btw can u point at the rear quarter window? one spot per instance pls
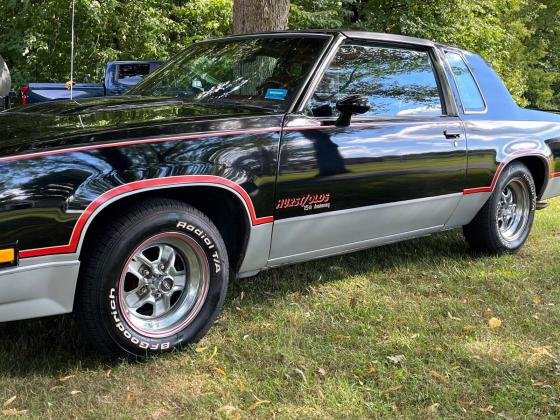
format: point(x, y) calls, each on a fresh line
point(469, 92)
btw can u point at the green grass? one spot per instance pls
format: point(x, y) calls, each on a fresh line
point(313, 341)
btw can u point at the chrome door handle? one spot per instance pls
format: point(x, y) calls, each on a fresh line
point(452, 134)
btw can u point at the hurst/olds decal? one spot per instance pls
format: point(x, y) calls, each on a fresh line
point(306, 202)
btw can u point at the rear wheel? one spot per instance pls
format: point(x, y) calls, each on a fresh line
point(505, 221)
point(154, 280)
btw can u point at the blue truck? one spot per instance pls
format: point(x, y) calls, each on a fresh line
point(120, 76)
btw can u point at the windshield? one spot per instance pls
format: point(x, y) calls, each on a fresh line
point(264, 72)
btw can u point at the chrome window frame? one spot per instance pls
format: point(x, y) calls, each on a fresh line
point(447, 103)
point(319, 72)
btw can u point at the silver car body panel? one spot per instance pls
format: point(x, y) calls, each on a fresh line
point(320, 235)
point(40, 286)
point(552, 189)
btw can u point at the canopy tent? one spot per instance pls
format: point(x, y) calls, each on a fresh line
point(5, 79)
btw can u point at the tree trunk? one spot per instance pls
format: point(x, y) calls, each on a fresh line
point(251, 16)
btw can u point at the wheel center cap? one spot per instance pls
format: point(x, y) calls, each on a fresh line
point(166, 284)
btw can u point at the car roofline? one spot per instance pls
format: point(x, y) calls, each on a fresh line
point(277, 34)
point(134, 61)
point(384, 37)
point(365, 35)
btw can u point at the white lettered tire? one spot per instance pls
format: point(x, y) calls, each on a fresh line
point(505, 221)
point(155, 279)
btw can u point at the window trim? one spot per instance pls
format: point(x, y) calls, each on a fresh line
point(464, 60)
point(320, 71)
point(343, 40)
point(301, 95)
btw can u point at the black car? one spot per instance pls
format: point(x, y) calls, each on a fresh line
point(251, 152)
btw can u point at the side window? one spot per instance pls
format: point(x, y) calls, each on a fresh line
point(132, 74)
point(468, 89)
point(398, 82)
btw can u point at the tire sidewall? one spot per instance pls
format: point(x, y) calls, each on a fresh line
point(209, 240)
point(512, 171)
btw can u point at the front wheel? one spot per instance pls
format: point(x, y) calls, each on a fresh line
point(505, 221)
point(154, 280)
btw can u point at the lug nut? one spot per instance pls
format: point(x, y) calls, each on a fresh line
point(162, 267)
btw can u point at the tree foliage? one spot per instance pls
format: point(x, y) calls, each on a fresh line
point(36, 34)
point(520, 38)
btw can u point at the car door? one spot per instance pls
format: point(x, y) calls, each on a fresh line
point(396, 171)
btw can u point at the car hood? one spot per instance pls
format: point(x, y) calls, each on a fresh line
point(37, 127)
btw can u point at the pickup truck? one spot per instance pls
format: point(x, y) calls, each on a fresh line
point(120, 76)
point(251, 152)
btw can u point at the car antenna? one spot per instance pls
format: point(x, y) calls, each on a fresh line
point(72, 53)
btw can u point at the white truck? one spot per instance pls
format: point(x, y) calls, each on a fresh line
point(5, 85)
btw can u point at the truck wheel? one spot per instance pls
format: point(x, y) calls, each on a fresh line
point(153, 280)
point(504, 223)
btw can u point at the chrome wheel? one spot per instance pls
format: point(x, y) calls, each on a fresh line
point(164, 284)
point(513, 210)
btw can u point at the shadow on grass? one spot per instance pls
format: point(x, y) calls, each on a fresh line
point(54, 346)
point(446, 246)
point(45, 346)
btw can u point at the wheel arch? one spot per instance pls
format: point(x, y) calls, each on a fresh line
point(538, 165)
point(233, 208)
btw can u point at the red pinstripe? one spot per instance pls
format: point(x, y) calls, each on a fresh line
point(136, 142)
point(72, 246)
point(76, 233)
point(501, 167)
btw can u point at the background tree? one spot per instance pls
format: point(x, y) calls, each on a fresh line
point(497, 29)
point(520, 38)
point(543, 56)
point(260, 15)
point(35, 37)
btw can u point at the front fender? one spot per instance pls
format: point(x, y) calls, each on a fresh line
point(47, 198)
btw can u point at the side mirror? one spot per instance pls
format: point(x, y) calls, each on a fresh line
point(350, 105)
